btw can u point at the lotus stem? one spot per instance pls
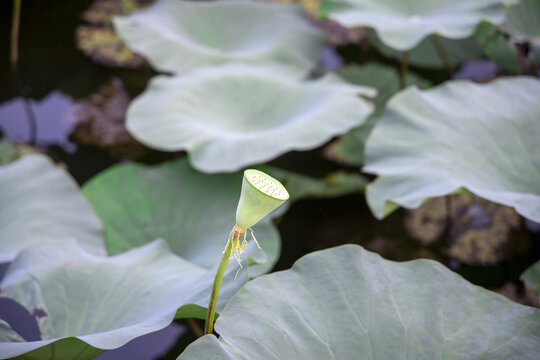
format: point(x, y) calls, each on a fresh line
point(14, 60)
point(15, 34)
point(232, 242)
point(442, 54)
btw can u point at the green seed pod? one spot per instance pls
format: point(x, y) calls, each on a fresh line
point(260, 194)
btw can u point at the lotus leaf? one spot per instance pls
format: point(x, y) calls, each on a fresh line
point(402, 25)
point(42, 202)
point(91, 303)
point(348, 303)
point(228, 117)
point(191, 211)
point(461, 134)
point(178, 36)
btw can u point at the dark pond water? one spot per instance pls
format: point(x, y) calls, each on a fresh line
point(36, 107)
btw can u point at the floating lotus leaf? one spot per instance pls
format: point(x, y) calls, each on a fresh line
point(177, 36)
point(402, 25)
point(191, 211)
point(42, 202)
point(480, 137)
point(348, 303)
point(228, 117)
point(90, 303)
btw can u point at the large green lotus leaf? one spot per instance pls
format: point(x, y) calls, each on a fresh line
point(480, 137)
point(177, 36)
point(425, 54)
point(347, 303)
point(92, 303)
point(42, 202)
point(531, 278)
point(402, 25)
point(191, 211)
point(349, 149)
point(228, 117)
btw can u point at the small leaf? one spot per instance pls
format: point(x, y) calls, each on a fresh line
point(497, 47)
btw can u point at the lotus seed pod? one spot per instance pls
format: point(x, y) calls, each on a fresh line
point(260, 194)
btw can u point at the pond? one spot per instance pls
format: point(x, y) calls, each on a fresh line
point(72, 108)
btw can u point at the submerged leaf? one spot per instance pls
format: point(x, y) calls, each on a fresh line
point(228, 117)
point(480, 137)
point(94, 303)
point(348, 303)
point(403, 25)
point(178, 36)
point(42, 202)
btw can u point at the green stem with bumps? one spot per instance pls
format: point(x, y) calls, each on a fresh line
point(227, 253)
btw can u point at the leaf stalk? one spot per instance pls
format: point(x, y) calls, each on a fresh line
point(234, 238)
